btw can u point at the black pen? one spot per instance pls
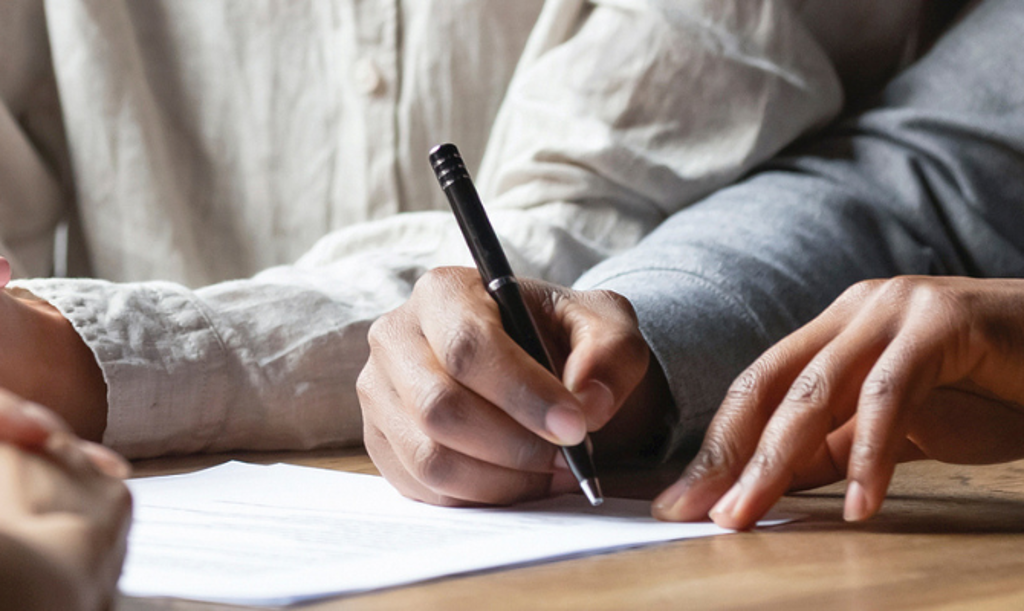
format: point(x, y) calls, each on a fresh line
point(502, 285)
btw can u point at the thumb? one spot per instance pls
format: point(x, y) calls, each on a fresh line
point(608, 356)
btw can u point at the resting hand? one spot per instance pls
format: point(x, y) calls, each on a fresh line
point(455, 412)
point(894, 370)
point(63, 520)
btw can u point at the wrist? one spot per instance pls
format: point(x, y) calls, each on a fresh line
point(50, 364)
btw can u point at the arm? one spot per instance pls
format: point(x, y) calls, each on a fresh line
point(926, 183)
point(271, 361)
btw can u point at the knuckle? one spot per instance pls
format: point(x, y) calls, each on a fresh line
point(880, 386)
point(364, 386)
point(431, 280)
point(440, 409)
point(619, 302)
point(899, 287)
point(762, 465)
point(376, 335)
point(462, 349)
point(861, 290)
point(433, 465)
point(715, 459)
point(443, 281)
point(934, 299)
point(809, 389)
point(746, 387)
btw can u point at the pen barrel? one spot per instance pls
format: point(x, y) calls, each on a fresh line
point(519, 322)
point(465, 202)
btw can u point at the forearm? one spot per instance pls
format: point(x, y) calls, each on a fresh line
point(717, 285)
point(47, 362)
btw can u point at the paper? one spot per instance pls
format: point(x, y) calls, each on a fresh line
point(275, 535)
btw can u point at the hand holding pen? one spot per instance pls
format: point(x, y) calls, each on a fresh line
point(455, 412)
point(503, 287)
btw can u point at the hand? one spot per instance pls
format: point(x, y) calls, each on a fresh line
point(454, 412)
point(63, 520)
point(894, 370)
point(30, 426)
point(42, 358)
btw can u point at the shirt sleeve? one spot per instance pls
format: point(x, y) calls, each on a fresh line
point(644, 108)
point(929, 181)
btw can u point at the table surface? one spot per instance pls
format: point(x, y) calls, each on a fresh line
point(948, 537)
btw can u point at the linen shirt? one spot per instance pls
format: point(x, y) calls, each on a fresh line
point(243, 187)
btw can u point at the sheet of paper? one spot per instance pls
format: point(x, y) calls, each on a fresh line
point(275, 535)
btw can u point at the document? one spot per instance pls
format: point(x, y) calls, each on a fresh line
point(282, 534)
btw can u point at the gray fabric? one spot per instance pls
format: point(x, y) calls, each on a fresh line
point(928, 181)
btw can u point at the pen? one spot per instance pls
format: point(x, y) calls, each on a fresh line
point(502, 285)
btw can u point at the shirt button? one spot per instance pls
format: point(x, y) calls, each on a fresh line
point(368, 79)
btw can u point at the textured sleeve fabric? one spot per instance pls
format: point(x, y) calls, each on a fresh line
point(929, 181)
point(643, 107)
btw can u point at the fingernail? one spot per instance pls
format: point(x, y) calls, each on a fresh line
point(106, 460)
point(566, 424)
point(664, 504)
point(855, 509)
point(597, 401)
point(726, 506)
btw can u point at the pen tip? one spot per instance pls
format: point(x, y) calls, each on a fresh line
point(592, 489)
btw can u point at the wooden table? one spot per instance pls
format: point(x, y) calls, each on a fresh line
point(948, 537)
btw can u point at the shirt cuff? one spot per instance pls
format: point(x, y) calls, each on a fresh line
point(160, 357)
point(702, 336)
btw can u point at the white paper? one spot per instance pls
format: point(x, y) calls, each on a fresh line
point(275, 535)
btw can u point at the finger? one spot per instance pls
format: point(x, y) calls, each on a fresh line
point(735, 431)
point(66, 450)
point(426, 471)
point(829, 464)
point(406, 380)
point(25, 423)
point(820, 399)
point(608, 355)
point(437, 472)
point(384, 458)
point(379, 446)
point(5, 272)
point(463, 328)
point(893, 391)
point(109, 462)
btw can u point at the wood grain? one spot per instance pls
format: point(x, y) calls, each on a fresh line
point(948, 537)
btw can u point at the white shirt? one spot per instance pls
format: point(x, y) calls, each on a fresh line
point(232, 171)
